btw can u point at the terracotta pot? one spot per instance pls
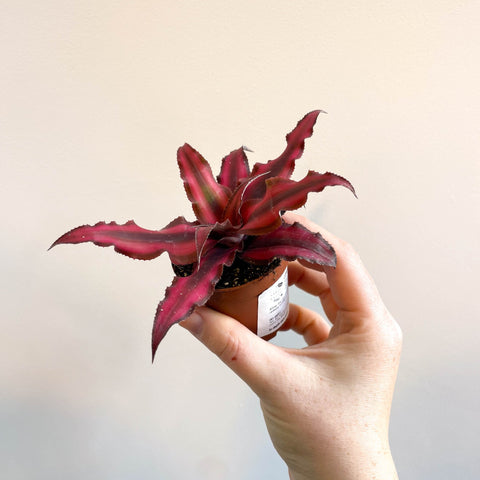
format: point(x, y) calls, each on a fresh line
point(242, 302)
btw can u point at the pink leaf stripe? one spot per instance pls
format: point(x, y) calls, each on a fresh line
point(284, 165)
point(234, 169)
point(207, 196)
point(282, 194)
point(185, 293)
point(177, 238)
point(291, 242)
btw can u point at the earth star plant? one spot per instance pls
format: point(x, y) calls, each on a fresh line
point(239, 214)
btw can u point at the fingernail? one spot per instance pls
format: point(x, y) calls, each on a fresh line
point(194, 324)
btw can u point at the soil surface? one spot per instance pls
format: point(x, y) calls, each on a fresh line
point(239, 273)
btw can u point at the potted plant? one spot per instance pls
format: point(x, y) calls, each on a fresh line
point(238, 228)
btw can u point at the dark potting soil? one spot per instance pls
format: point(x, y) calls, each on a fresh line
point(239, 273)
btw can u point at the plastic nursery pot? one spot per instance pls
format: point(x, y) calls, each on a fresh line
point(261, 304)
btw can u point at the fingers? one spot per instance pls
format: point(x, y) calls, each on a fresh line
point(309, 280)
point(351, 287)
point(307, 323)
point(315, 283)
point(250, 357)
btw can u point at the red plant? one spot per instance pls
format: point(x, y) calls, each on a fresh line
point(238, 214)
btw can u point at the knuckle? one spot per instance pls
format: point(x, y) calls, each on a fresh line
point(229, 349)
point(393, 335)
point(398, 335)
point(348, 252)
point(347, 248)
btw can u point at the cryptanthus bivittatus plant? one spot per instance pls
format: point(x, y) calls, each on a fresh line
point(238, 215)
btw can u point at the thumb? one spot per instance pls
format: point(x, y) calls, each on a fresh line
point(253, 359)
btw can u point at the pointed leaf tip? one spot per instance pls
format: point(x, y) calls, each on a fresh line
point(234, 168)
point(177, 238)
point(186, 293)
point(284, 165)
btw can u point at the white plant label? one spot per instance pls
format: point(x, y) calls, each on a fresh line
point(273, 306)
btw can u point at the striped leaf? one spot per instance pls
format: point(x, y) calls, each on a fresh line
point(284, 165)
point(262, 216)
point(290, 242)
point(208, 197)
point(186, 293)
point(177, 238)
point(234, 169)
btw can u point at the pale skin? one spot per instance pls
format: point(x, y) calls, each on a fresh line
point(326, 406)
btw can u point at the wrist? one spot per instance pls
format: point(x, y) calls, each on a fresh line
point(370, 461)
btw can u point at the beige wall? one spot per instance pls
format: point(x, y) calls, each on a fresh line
point(95, 98)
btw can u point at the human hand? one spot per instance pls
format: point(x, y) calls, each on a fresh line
point(326, 406)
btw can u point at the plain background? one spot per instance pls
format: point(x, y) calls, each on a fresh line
point(96, 97)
